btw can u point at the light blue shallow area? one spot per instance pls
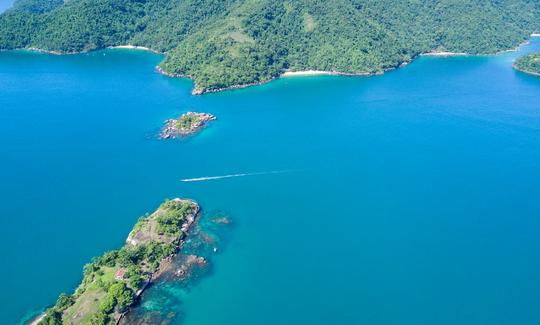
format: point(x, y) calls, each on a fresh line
point(5, 4)
point(409, 198)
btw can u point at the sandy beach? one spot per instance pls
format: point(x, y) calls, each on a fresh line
point(134, 47)
point(443, 53)
point(305, 73)
point(323, 73)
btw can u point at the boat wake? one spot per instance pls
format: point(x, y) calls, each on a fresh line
point(211, 178)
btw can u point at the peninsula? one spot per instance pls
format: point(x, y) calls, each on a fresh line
point(236, 43)
point(529, 64)
point(185, 125)
point(114, 281)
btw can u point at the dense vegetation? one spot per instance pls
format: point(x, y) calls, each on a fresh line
point(102, 295)
point(186, 121)
point(529, 63)
point(221, 43)
point(170, 221)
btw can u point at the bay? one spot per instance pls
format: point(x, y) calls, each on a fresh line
point(406, 198)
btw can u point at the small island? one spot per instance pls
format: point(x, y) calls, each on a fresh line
point(529, 64)
point(185, 125)
point(114, 281)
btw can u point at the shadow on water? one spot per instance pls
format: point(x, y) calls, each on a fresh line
point(162, 302)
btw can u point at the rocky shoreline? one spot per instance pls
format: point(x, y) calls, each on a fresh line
point(165, 262)
point(532, 73)
point(187, 124)
point(183, 271)
point(38, 50)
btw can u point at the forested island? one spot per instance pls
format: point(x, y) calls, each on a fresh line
point(529, 64)
point(234, 43)
point(113, 282)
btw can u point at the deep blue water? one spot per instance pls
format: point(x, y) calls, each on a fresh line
point(411, 198)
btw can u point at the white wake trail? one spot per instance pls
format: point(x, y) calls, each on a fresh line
point(210, 178)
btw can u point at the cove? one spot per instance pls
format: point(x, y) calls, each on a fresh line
point(412, 197)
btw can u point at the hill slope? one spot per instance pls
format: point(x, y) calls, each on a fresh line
point(235, 42)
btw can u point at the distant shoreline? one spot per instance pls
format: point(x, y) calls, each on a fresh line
point(126, 47)
point(287, 73)
point(38, 50)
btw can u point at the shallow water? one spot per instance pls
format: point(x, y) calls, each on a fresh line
point(412, 197)
point(5, 4)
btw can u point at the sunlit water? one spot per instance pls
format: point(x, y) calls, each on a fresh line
point(410, 198)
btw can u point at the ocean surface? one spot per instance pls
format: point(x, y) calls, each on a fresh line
point(407, 198)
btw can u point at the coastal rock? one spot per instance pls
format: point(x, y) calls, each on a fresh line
point(222, 221)
point(191, 261)
point(185, 125)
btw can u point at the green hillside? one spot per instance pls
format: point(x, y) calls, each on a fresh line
point(529, 64)
point(222, 43)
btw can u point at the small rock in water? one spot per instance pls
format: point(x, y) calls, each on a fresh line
point(191, 261)
point(222, 221)
point(185, 125)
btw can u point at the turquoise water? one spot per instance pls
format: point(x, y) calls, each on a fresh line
point(410, 198)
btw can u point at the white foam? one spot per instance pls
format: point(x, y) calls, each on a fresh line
point(210, 178)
